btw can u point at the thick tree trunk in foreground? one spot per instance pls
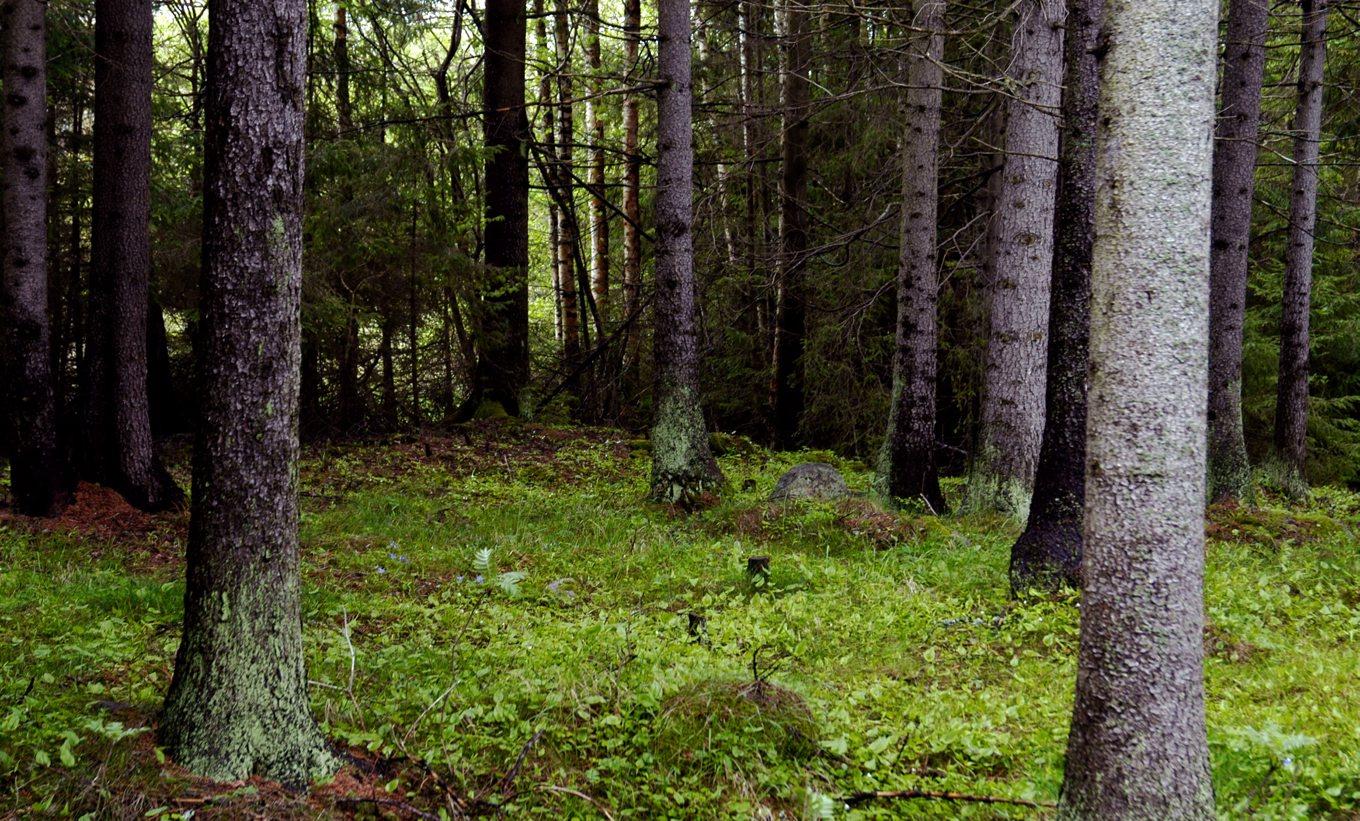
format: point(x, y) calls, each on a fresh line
point(791, 310)
point(119, 449)
point(36, 475)
point(1291, 402)
point(1021, 251)
point(503, 344)
point(683, 467)
point(238, 703)
point(1138, 747)
point(908, 465)
point(1048, 553)
point(1244, 62)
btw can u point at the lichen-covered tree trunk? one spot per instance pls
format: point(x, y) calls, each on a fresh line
point(1137, 747)
point(1021, 263)
point(238, 703)
point(683, 466)
point(119, 449)
point(791, 308)
point(1291, 401)
point(1048, 553)
point(36, 474)
point(907, 464)
point(503, 315)
point(1244, 61)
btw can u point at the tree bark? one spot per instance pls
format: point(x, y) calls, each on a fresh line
point(791, 309)
point(237, 705)
point(503, 327)
point(566, 216)
point(36, 472)
point(1239, 120)
point(1138, 747)
point(1291, 402)
point(1048, 553)
point(632, 202)
point(119, 449)
point(683, 466)
point(599, 215)
point(907, 465)
point(1021, 264)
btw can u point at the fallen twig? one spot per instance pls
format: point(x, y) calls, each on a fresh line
point(933, 795)
point(577, 793)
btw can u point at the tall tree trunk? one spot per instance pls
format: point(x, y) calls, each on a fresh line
point(389, 374)
point(683, 466)
point(1021, 264)
point(599, 215)
point(546, 59)
point(632, 201)
point(1291, 402)
point(1048, 553)
point(237, 705)
point(36, 475)
point(118, 440)
point(791, 310)
point(351, 406)
point(566, 216)
point(503, 318)
point(908, 465)
point(1244, 62)
point(1137, 747)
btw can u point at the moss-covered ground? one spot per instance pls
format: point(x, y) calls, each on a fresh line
point(497, 622)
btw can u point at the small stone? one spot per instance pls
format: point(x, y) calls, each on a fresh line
point(812, 480)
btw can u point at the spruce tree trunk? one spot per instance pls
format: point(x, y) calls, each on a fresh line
point(238, 703)
point(683, 466)
point(791, 308)
point(503, 347)
point(599, 216)
point(119, 446)
point(1048, 553)
point(632, 203)
point(1244, 61)
point(1021, 264)
point(1138, 747)
point(36, 475)
point(1291, 402)
point(566, 215)
point(907, 464)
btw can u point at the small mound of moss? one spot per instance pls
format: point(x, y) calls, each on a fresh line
point(719, 725)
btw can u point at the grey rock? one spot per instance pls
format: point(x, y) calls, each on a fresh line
point(812, 480)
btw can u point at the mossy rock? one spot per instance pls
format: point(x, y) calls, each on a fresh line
point(811, 480)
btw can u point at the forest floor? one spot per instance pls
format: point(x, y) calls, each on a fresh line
point(497, 623)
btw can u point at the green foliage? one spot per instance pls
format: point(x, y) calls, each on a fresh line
point(517, 585)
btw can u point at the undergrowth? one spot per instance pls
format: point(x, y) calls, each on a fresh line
point(496, 622)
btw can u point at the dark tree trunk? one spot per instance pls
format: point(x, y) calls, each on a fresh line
point(237, 706)
point(791, 310)
point(119, 449)
point(908, 461)
point(683, 466)
point(1291, 403)
point(566, 215)
point(632, 202)
point(1138, 747)
point(599, 217)
point(1011, 424)
point(1048, 553)
point(503, 327)
point(36, 472)
point(389, 375)
point(1244, 61)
